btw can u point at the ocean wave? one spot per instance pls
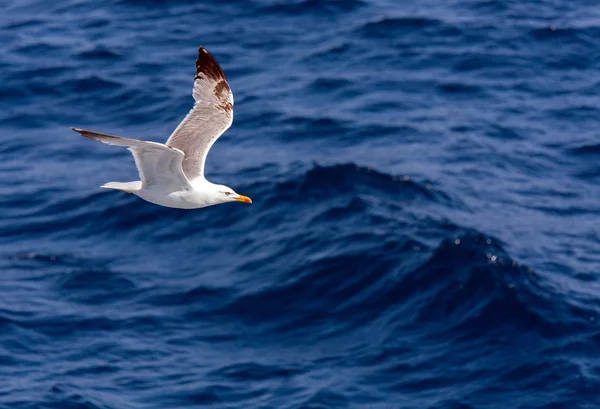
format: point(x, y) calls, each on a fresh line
point(465, 289)
point(99, 53)
point(471, 285)
point(313, 6)
point(90, 83)
point(253, 371)
point(583, 35)
point(585, 150)
point(352, 179)
point(391, 27)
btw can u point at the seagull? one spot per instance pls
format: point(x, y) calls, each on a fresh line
point(172, 174)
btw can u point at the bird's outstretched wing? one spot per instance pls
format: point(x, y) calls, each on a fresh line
point(157, 164)
point(211, 115)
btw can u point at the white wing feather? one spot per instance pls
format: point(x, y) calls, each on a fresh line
point(211, 115)
point(157, 164)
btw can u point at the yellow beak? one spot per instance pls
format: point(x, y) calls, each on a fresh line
point(244, 199)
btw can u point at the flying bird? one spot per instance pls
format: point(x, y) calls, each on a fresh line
point(172, 174)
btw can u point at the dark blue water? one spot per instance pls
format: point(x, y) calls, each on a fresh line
point(425, 229)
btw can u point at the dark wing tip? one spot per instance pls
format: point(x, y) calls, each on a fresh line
point(80, 131)
point(208, 65)
point(93, 134)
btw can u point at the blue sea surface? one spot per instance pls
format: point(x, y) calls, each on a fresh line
point(425, 229)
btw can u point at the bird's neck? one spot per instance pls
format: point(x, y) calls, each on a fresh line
point(201, 183)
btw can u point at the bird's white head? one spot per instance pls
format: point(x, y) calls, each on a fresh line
point(226, 194)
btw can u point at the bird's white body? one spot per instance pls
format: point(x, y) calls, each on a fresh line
point(172, 174)
point(202, 193)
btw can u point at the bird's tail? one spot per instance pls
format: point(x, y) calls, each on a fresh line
point(129, 187)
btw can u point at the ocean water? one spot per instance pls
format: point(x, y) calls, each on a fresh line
point(425, 229)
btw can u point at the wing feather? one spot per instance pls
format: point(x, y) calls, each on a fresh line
point(157, 164)
point(210, 117)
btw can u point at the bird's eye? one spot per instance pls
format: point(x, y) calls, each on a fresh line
point(227, 193)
